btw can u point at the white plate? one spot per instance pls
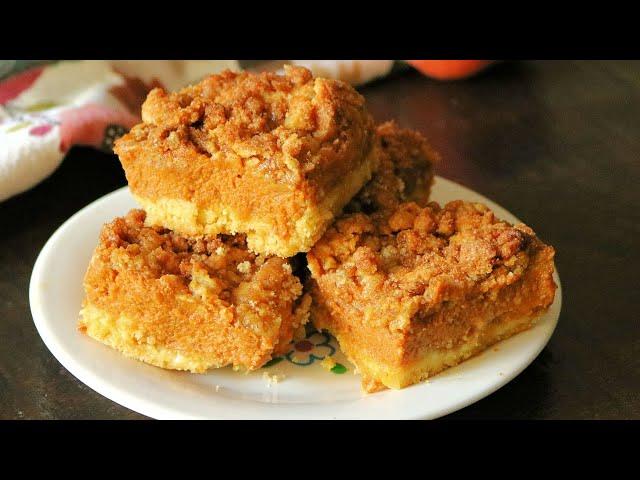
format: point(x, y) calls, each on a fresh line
point(306, 391)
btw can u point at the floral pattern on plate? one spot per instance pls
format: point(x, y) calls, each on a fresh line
point(315, 347)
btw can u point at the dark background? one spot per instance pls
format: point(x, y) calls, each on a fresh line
point(556, 142)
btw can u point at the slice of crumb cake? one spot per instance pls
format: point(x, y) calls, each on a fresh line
point(189, 303)
point(414, 290)
point(275, 157)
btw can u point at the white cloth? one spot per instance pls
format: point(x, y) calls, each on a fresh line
point(355, 72)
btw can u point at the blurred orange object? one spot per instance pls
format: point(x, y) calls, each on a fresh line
point(450, 69)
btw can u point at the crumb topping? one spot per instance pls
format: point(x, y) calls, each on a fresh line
point(436, 252)
point(218, 265)
point(405, 172)
point(244, 267)
point(328, 363)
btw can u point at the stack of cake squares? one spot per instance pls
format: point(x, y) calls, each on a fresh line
point(271, 203)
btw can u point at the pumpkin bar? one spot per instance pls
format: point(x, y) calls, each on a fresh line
point(275, 157)
point(189, 304)
point(415, 290)
point(405, 172)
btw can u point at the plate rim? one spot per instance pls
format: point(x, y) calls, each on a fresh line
point(145, 406)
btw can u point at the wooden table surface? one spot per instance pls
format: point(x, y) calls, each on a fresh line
point(556, 143)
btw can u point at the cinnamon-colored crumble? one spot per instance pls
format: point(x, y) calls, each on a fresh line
point(405, 172)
